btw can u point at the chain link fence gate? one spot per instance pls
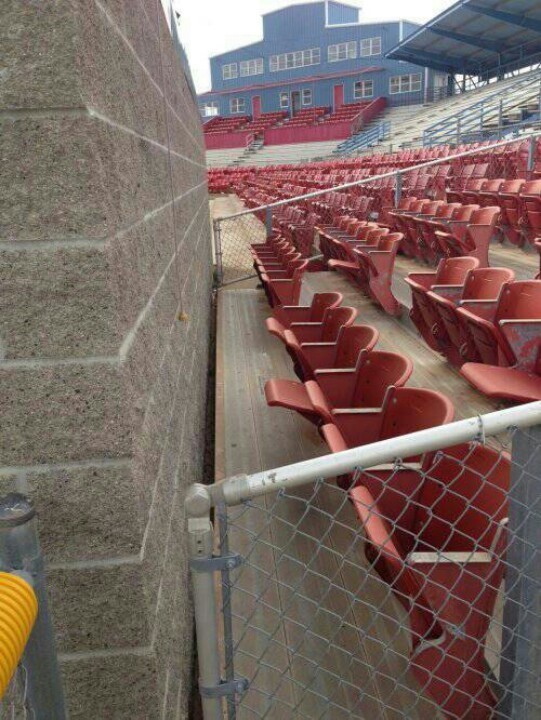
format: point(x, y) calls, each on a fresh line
point(362, 585)
point(234, 233)
point(27, 644)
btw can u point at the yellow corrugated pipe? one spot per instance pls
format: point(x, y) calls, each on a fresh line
point(18, 612)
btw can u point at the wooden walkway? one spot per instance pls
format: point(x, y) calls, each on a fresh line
point(305, 602)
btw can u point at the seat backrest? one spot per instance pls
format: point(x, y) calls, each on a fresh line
point(352, 340)
point(377, 371)
point(486, 216)
point(323, 301)
point(533, 187)
point(512, 187)
point(486, 283)
point(464, 213)
point(432, 207)
point(374, 235)
point(492, 185)
point(453, 271)
point(521, 300)
point(334, 319)
point(463, 499)
point(407, 410)
point(447, 210)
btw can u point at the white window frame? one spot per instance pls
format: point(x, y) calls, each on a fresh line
point(307, 93)
point(342, 51)
point(251, 67)
point(207, 109)
point(297, 59)
point(237, 105)
point(284, 100)
point(230, 71)
point(400, 84)
point(374, 46)
point(363, 94)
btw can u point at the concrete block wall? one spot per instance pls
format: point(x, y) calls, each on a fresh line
point(105, 286)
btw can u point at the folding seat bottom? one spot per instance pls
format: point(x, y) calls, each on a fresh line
point(503, 382)
point(291, 395)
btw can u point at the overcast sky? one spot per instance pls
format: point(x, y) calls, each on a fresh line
point(210, 27)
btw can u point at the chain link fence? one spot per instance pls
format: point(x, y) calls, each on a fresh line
point(292, 201)
point(409, 589)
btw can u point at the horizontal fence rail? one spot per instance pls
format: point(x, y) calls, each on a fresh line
point(236, 232)
point(400, 578)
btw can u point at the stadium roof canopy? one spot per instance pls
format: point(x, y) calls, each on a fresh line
point(477, 37)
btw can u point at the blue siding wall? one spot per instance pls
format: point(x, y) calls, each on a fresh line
point(302, 27)
point(339, 13)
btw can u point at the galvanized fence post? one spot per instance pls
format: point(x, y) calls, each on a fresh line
point(398, 190)
point(531, 154)
point(218, 251)
point(268, 221)
point(521, 641)
point(20, 551)
point(203, 565)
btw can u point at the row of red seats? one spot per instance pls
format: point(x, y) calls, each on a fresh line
point(485, 322)
point(417, 515)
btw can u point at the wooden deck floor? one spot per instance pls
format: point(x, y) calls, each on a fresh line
point(304, 605)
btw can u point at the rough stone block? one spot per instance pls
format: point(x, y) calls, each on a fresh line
point(56, 303)
point(62, 413)
point(88, 513)
point(97, 609)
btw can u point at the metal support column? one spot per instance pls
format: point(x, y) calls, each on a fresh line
point(531, 157)
point(20, 552)
point(218, 251)
point(268, 221)
point(204, 566)
point(521, 641)
point(398, 189)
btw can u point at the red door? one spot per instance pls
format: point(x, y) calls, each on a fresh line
point(256, 106)
point(338, 96)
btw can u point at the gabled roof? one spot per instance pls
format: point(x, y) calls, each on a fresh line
point(476, 37)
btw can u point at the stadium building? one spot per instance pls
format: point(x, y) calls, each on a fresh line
point(316, 56)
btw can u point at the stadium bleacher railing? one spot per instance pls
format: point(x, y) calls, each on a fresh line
point(30, 679)
point(337, 599)
point(473, 119)
point(233, 234)
point(364, 140)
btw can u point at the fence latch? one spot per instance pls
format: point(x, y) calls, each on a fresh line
point(216, 563)
point(225, 688)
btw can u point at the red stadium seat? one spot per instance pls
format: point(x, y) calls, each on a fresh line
point(364, 386)
point(530, 221)
point(309, 343)
point(481, 285)
point(439, 541)
point(284, 315)
point(284, 287)
point(506, 331)
point(451, 272)
point(509, 202)
point(471, 238)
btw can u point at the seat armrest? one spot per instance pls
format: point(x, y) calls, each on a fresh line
point(482, 308)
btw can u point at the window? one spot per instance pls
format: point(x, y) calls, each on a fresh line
point(230, 71)
point(301, 58)
point(284, 100)
point(405, 83)
point(342, 51)
point(363, 89)
point(251, 67)
point(307, 97)
point(237, 105)
point(370, 46)
point(209, 109)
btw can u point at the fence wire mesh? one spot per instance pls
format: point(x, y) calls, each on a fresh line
point(444, 176)
point(405, 591)
point(16, 705)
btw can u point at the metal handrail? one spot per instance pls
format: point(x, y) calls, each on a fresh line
point(381, 176)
